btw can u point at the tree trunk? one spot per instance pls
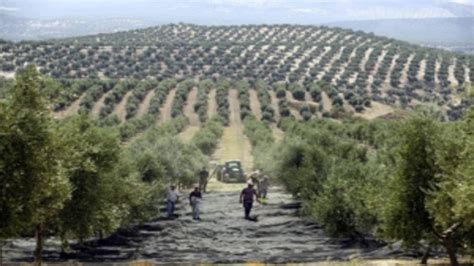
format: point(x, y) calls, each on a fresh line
point(449, 245)
point(39, 244)
point(426, 255)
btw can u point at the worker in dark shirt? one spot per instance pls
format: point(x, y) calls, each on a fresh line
point(246, 197)
point(203, 179)
point(195, 200)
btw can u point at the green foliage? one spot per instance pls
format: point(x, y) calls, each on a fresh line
point(115, 96)
point(265, 100)
point(244, 98)
point(161, 157)
point(136, 125)
point(262, 141)
point(201, 105)
point(101, 198)
point(5, 85)
point(207, 138)
point(137, 97)
point(406, 216)
point(161, 91)
point(33, 185)
point(330, 171)
point(222, 95)
point(181, 97)
point(297, 91)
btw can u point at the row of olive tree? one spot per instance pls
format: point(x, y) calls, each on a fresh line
point(408, 180)
point(73, 178)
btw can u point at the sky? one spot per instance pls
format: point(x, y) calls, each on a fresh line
point(235, 11)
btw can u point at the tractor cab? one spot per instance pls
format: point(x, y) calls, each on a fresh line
point(231, 172)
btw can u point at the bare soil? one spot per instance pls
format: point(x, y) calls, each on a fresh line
point(120, 109)
point(165, 110)
point(377, 110)
point(189, 108)
point(274, 101)
point(187, 134)
point(70, 110)
point(234, 144)
point(211, 104)
point(451, 76)
point(98, 105)
point(255, 104)
point(145, 105)
point(327, 103)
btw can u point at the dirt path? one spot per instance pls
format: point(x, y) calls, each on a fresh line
point(234, 144)
point(71, 109)
point(189, 108)
point(376, 110)
point(404, 76)
point(211, 104)
point(451, 76)
point(194, 123)
point(98, 105)
point(120, 109)
point(274, 101)
point(255, 104)
point(145, 105)
point(277, 133)
point(187, 134)
point(327, 104)
point(165, 110)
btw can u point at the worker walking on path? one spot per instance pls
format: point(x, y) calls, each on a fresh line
point(195, 200)
point(246, 197)
point(264, 185)
point(171, 199)
point(203, 179)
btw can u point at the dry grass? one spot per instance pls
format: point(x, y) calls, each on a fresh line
point(211, 104)
point(234, 145)
point(145, 105)
point(255, 104)
point(165, 110)
point(277, 133)
point(377, 110)
point(187, 134)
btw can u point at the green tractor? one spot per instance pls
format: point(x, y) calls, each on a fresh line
point(231, 172)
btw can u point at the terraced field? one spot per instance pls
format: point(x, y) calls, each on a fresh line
point(307, 72)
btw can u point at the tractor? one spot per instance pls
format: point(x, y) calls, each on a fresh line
point(231, 172)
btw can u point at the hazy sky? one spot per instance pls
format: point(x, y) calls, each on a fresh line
point(234, 11)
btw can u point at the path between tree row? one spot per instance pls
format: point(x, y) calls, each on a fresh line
point(234, 144)
point(223, 236)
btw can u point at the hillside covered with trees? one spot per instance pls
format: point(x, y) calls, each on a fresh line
point(373, 137)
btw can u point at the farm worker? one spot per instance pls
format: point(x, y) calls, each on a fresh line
point(255, 178)
point(264, 185)
point(203, 178)
point(195, 200)
point(171, 199)
point(246, 197)
point(218, 170)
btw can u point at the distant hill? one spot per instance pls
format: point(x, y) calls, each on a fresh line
point(18, 29)
point(42, 22)
point(455, 34)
